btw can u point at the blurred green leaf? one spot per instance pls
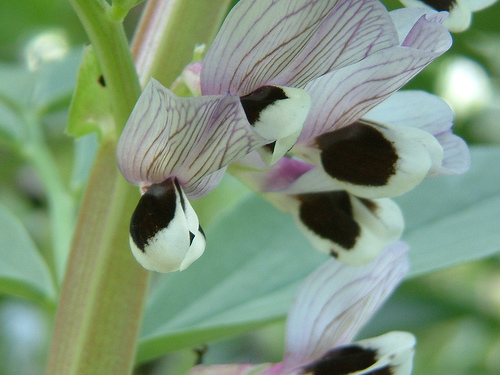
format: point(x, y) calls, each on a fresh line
point(90, 109)
point(50, 86)
point(23, 271)
point(454, 219)
point(254, 261)
point(11, 127)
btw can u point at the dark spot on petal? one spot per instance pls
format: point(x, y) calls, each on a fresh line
point(343, 361)
point(386, 370)
point(179, 191)
point(191, 238)
point(441, 5)
point(101, 81)
point(330, 216)
point(270, 147)
point(201, 231)
point(334, 254)
point(358, 154)
point(258, 100)
point(368, 203)
point(154, 212)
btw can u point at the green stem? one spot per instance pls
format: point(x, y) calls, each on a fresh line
point(102, 297)
point(60, 202)
point(103, 294)
point(166, 37)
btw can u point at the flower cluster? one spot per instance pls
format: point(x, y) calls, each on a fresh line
point(303, 86)
point(299, 100)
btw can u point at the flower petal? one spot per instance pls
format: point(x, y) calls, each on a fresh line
point(353, 230)
point(165, 234)
point(460, 12)
point(391, 353)
point(342, 97)
point(287, 176)
point(434, 116)
point(289, 43)
point(184, 137)
point(372, 160)
point(277, 113)
point(336, 301)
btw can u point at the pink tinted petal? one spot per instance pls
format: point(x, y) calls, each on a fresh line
point(341, 97)
point(337, 300)
point(188, 138)
point(232, 369)
point(434, 116)
point(287, 176)
point(351, 32)
point(205, 185)
point(290, 42)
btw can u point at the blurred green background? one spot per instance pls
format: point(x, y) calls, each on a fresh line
point(455, 313)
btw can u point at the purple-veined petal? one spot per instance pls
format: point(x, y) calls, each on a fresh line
point(343, 96)
point(391, 353)
point(373, 160)
point(205, 185)
point(188, 138)
point(289, 43)
point(235, 369)
point(336, 301)
point(434, 116)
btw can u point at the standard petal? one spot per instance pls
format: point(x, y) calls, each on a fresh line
point(434, 116)
point(336, 301)
point(342, 97)
point(372, 160)
point(165, 234)
point(353, 230)
point(184, 137)
point(289, 43)
point(391, 353)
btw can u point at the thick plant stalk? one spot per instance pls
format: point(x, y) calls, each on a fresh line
point(104, 289)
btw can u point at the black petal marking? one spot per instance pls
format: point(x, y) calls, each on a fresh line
point(191, 238)
point(258, 100)
point(270, 147)
point(201, 231)
point(358, 154)
point(154, 212)
point(441, 5)
point(368, 203)
point(329, 215)
point(343, 361)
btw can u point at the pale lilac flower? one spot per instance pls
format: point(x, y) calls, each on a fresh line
point(360, 145)
point(460, 10)
point(269, 64)
point(330, 308)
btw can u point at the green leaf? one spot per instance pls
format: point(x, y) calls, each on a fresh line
point(90, 109)
point(254, 261)
point(455, 219)
point(23, 271)
point(49, 86)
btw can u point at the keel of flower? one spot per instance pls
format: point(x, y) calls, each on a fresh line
point(354, 230)
point(165, 234)
point(372, 160)
point(387, 354)
point(277, 114)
